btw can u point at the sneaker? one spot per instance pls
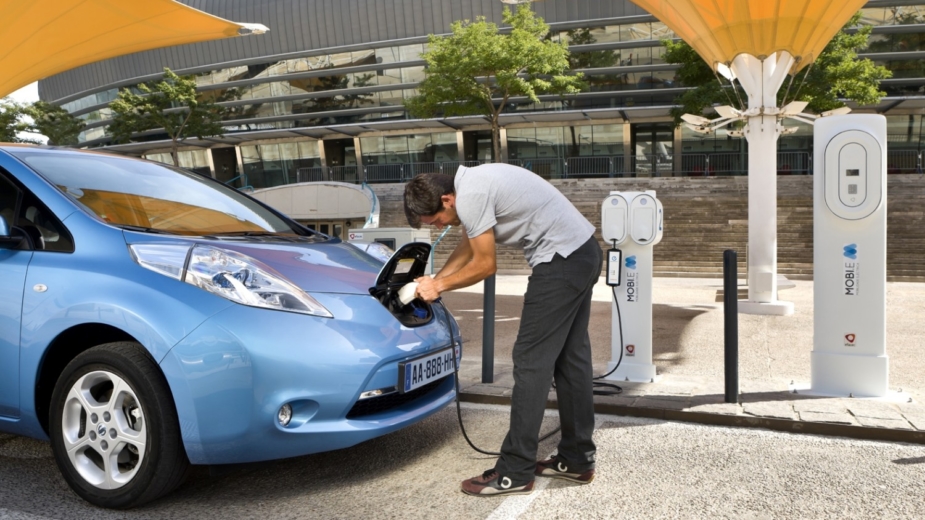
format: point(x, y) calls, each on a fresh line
point(557, 468)
point(491, 483)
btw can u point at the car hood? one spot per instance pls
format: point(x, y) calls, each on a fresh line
point(327, 267)
point(335, 267)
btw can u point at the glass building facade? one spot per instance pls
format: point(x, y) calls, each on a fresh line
point(337, 113)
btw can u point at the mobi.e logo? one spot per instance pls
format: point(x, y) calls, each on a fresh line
point(631, 285)
point(850, 257)
point(631, 350)
point(849, 340)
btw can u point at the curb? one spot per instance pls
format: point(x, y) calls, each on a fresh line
point(741, 421)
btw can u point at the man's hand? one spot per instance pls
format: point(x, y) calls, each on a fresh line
point(427, 289)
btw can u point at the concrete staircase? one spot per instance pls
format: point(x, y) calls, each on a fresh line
point(705, 216)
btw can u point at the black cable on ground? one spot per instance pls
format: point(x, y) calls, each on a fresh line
point(596, 382)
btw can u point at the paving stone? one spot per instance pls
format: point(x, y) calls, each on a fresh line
point(774, 409)
point(834, 406)
point(875, 422)
point(838, 418)
point(663, 403)
point(717, 408)
point(914, 408)
point(672, 390)
point(875, 410)
point(697, 400)
point(619, 400)
point(916, 419)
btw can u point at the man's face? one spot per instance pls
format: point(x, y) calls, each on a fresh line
point(446, 216)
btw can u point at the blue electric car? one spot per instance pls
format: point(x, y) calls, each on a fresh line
point(151, 318)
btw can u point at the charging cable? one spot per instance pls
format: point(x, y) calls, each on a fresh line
point(613, 389)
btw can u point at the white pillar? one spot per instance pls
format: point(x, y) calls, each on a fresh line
point(761, 79)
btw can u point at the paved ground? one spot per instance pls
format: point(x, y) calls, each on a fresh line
point(646, 469)
point(774, 359)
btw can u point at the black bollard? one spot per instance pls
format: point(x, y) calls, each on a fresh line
point(488, 331)
point(731, 312)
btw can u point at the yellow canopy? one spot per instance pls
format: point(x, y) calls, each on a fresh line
point(39, 38)
point(719, 30)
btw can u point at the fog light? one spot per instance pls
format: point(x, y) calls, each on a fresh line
point(285, 415)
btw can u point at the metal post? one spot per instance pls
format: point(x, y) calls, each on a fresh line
point(731, 312)
point(488, 331)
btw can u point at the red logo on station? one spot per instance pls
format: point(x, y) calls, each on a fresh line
point(849, 339)
point(630, 350)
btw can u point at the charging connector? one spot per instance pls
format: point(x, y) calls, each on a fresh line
point(407, 292)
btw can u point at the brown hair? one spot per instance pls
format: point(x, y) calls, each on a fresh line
point(422, 196)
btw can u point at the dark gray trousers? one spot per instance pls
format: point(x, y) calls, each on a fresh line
point(553, 342)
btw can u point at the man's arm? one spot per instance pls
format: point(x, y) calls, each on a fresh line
point(460, 256)
point(480, 266)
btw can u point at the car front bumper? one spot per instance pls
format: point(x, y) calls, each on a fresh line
point(230, 377)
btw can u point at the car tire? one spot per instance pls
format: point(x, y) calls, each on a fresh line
point(114, 429)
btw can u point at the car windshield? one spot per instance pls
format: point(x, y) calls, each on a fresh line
point(152, 196)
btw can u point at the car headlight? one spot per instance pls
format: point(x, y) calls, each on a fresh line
point(228, 274)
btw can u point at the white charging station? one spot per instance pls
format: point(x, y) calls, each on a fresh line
point(631, 224)
point(849, 256)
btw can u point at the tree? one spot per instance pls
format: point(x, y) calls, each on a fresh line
point(836, 74)
point(11, 122)
point(171, 104)
point(476, 70)
point(55, 123)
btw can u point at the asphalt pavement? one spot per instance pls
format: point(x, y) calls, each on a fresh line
point(646, 468)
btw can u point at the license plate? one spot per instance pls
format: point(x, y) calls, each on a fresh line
point(418, 372)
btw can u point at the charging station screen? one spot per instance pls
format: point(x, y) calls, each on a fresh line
point(852, 173)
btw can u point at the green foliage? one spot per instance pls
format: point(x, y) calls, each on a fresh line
point(55, 123)
point(476, 70)
point(12, 122)
point(171, 104)
point(694, 72)
point(836, 74)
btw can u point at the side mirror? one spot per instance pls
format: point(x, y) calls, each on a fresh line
point(9, 237)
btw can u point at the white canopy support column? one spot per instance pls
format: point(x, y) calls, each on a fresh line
point(761, 79)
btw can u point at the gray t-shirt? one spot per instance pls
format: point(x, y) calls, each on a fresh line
point(523, 208)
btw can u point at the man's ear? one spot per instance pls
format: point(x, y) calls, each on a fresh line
point(448, 200)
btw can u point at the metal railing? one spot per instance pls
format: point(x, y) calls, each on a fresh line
point(545, 168)
point(312, 174)
point(376, 173)
point(349, 174)
point(904, 161)
point(601, 166)
point(652, 165)
point(640, 165)
point(424, 167)
point(450, 167)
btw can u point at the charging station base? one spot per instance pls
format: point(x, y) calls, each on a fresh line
point(898, 397)
point(635, 373)
point(842, 375)
point(778, 308)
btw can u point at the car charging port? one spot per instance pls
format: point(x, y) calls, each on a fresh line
point(399, 272)
point(414, 313)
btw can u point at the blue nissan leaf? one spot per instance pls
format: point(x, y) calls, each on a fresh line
point(152, 318)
